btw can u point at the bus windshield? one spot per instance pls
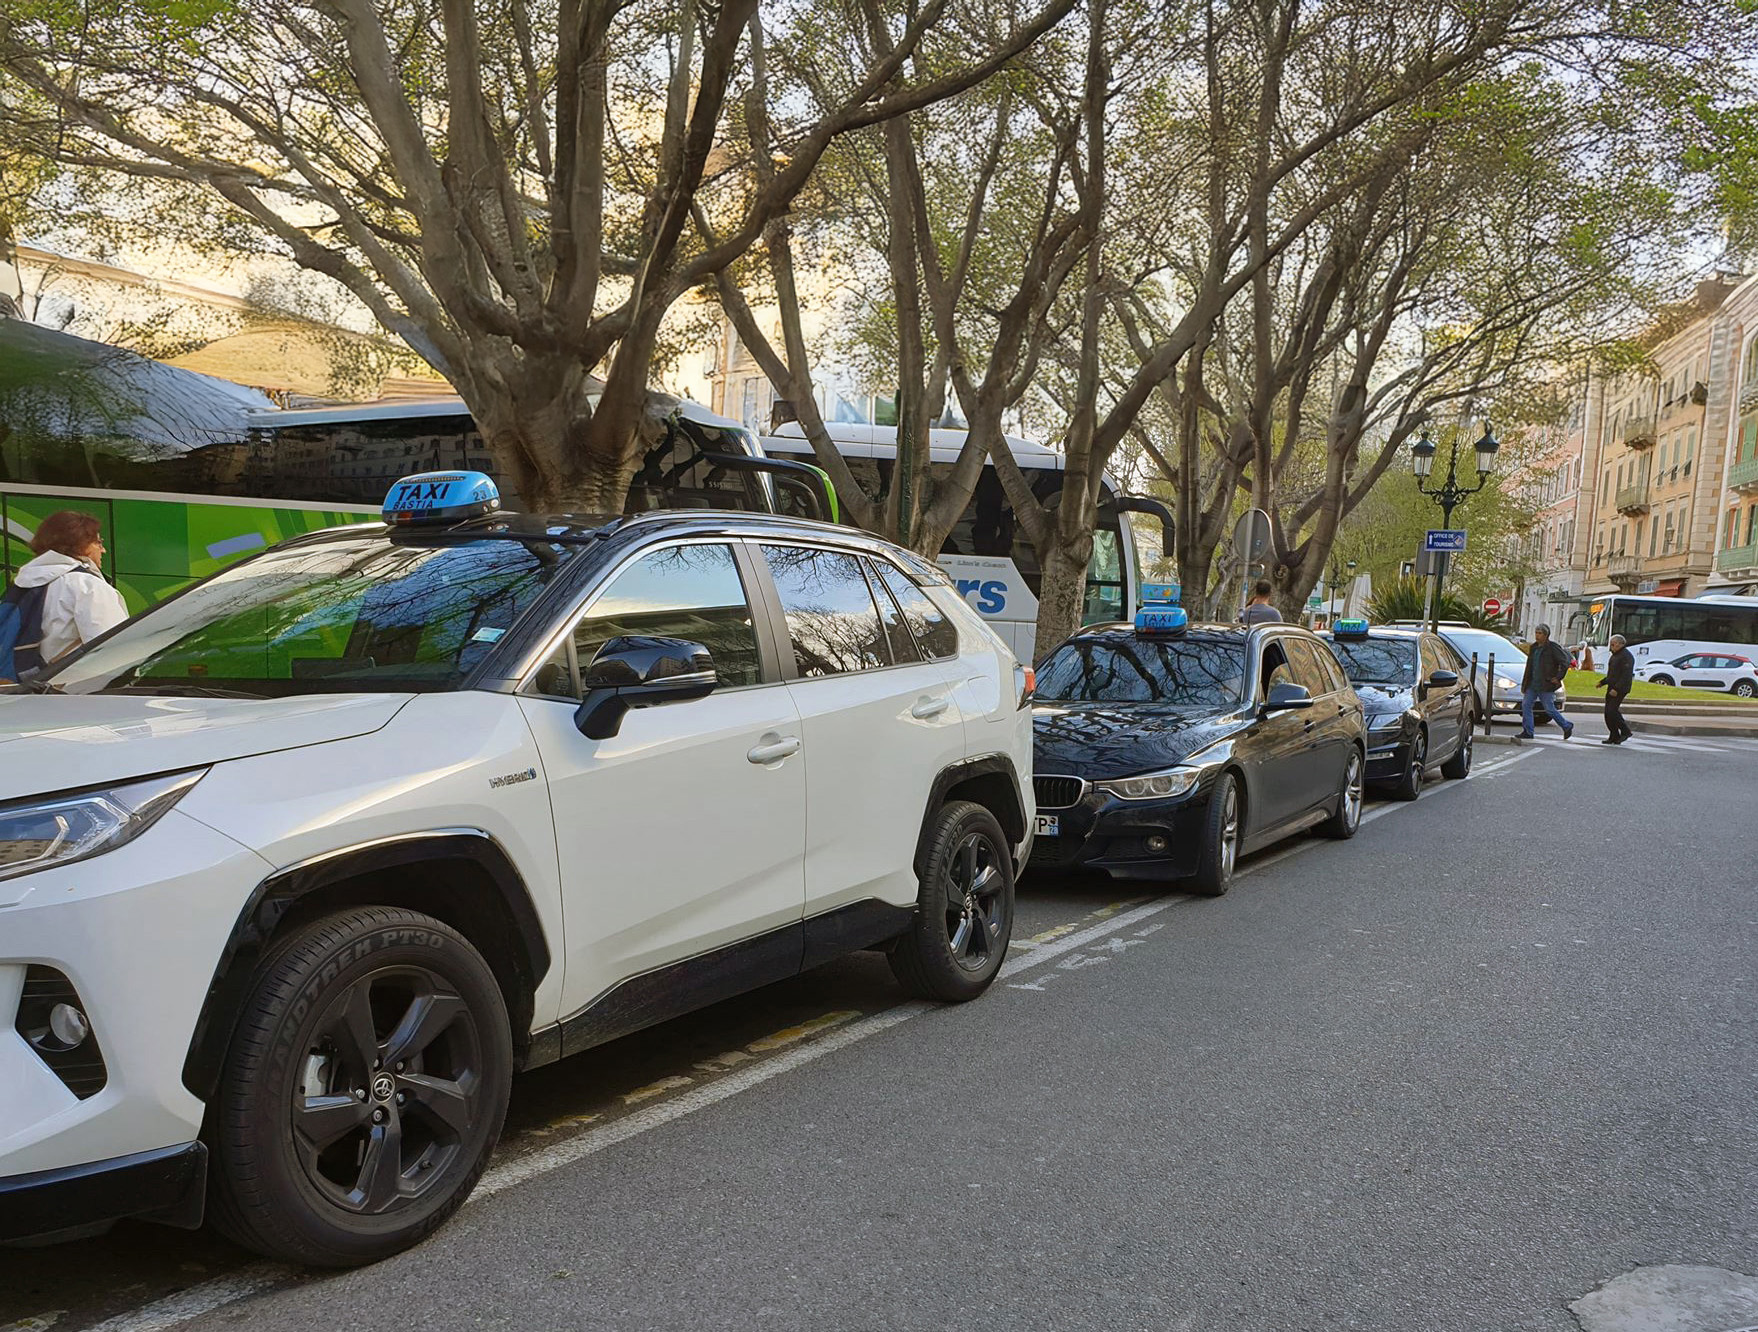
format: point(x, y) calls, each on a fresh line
point(361, 613)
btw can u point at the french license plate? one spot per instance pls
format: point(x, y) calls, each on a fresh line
point(1049, 825)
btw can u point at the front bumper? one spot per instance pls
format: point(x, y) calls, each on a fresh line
point(137, 932)
point(1102, 833)
point(1388, 759)
point(167, 1185)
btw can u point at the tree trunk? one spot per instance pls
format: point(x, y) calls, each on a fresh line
point(1061, 596)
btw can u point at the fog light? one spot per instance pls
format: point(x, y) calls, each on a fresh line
point(68, 1025)
point(1156, 844)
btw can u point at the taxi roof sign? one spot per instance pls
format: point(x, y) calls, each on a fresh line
point(1161, 619)
point(441, 497)
point(1349, 629)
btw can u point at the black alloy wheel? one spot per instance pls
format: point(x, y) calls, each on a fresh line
point(964, 915)
point(363, 1091)
point(1460, 764)
point(1409, 784)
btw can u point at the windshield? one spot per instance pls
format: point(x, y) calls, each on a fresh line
point(363, 613)
point(1377, 660)
point(1485, 645)
point(1190, 673)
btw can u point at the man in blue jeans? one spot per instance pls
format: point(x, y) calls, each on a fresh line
point(1546, 665)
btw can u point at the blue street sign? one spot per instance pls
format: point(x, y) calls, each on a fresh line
point(1442, 538)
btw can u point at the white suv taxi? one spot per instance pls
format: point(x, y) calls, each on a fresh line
point(300, 866)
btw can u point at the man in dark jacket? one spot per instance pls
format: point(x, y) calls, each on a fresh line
point(1546, 665)
point(1620, 674)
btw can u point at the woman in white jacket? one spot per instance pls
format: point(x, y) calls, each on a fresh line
point(78, 604)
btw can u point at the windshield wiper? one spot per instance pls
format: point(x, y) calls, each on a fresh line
point(182, 691)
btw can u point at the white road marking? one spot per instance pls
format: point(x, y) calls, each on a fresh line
point(185, 1305)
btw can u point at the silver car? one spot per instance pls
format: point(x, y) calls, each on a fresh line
point(1500, 697)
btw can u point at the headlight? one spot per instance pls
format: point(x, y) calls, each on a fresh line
point(1386, 721)
point(1152, 785)
point(1506, 682)
point(56, 830)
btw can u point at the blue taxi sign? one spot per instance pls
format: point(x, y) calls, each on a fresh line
point(1350, 629)
point(441, 497)
point(1161, 619)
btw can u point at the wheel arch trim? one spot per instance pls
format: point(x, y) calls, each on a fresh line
point(955, 774)
point(280, 891)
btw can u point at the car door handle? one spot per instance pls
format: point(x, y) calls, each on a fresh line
point(930, 707)
point(774, 748)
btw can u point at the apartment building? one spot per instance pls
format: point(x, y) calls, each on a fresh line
point(1736, 559)
point(1654, 511)
point(1555, 551)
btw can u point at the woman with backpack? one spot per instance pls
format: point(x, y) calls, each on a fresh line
point(59, 600)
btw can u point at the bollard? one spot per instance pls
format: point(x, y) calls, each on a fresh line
point(1474, 681)
point(1489, 694)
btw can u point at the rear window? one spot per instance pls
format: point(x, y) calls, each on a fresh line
point(1194, 673)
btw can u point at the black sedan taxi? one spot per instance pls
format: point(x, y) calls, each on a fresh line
point(1417, 703)
point(1165, 749)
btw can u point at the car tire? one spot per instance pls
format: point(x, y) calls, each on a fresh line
point(1745, 689)
point(1346, 821)
point(1459, 766)
point(1660, 679)
point(1409, 785)
point(1220, 845)
point(964, 912)
point(403, 1027)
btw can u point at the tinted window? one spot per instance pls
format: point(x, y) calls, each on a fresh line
point(688, 592)
point(936, 634)
point(1309, 668)
point(831, 620)
point(1187, 672)
point(1377, 660)
point(361, 613)
point(897, 632)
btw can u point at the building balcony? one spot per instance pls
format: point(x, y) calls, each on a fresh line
point(1624, 570)
point(1637, 432)
point(1743, 476)
point(1749, 396)
point(1632, 500)
point(1741, 558)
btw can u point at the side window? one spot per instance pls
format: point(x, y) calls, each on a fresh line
point(1334, 669)
point(688, 592)
point(1275, 667)
point(1432, 660)
point(937, 635)
point(897, 632)
point(1309, 670)
point(831, 619)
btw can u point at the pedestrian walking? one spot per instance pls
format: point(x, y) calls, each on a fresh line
point(1546, 665)
point(1258, 610)
point(1620, 674)
point(60, 599)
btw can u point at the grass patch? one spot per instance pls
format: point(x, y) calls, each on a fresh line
point(1584, 685)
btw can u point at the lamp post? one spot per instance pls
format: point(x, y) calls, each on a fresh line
point(1449, 493)
point(1336, 579)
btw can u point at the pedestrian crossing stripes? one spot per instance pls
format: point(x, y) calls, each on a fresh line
point(1653, 744)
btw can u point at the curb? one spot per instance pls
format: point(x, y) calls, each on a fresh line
point(1649, 726)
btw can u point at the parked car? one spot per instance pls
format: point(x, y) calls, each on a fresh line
point(1166, 750)
point(1416, 699)
point(300, 866)
point(1704, 670)
point(1500, 698)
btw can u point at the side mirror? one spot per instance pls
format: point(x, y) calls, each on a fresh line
point(1284, 696)
point(1443, 679)
point(638, 672)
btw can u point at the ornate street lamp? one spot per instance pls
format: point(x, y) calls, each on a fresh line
point(1450, 492)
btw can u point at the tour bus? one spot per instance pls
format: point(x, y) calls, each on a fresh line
point(1666, 628)
point(987, 553)
point(174, 514)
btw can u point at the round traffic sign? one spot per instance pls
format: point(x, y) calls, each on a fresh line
point(1491, 606)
